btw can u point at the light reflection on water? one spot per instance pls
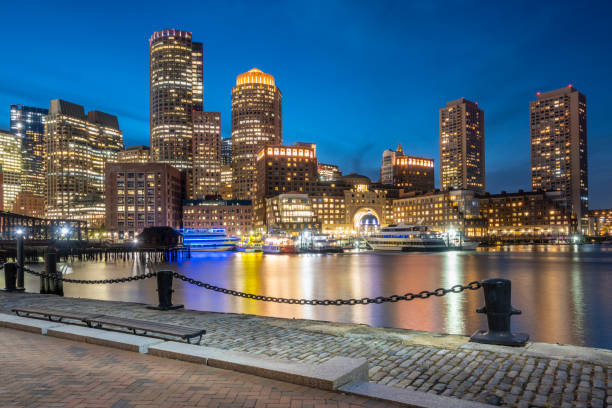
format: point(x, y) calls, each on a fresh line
point(564, 291)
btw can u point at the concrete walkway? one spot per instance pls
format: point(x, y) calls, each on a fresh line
point(41, 371)
point(540, 375)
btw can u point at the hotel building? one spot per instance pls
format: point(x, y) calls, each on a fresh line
point(141, 195)
point(206, 154)
point(77, 149)
point(236, 216)
point(256, 123)
point(176, 90)
point(291, 213)
point(558, 127)
point(11, 167)
point(462, 146)
point(28, 124)
point(134, 154)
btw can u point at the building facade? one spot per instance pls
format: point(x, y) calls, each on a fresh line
point(558, 128)
point(134, 154)
point(226, 151)
point(388, 163)
point(236, 216)
point(328, 172)
point(462, 146)
point(77, 149)
point(176, 90)
point(256, 123)
point(11, 168)
point(600, 222)
point(29, 204)
point(28, 124)
point(226, 182)
point(206, 154)
point(414, 173)
point(141, 195)
point(291, 213)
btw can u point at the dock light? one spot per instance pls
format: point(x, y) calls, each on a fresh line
point(19, 231)
point(135, 240)
point(64, 231)
point(575, 239)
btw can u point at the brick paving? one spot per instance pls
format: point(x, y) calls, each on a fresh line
point(41, 371)
point(396, 358)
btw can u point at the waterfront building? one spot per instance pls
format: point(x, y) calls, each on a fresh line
point(206, 154)
point(368, 205)
point(134, 154)
point(388, 163)
point(236, 216)
point(526, 216)
point(11, 165)
point(462, 146)
point(142, 195)
point(444, 211)
point(330, 212)
point(558, 128)
point(29, 204)
point(283, 169)
point(1, 189)
point(175, 90)
point(291, 213)
point(256, 123)
point(328, 172)
point(600, 222)
point(226, 151)
point(226, 182)
point(77, 149)
point(28, 124)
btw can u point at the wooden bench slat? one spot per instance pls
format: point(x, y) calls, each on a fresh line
point(64, 314)
point(149, 326)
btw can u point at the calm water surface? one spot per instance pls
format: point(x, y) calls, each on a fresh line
point(565, 292)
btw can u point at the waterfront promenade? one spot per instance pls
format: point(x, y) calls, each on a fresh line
point(539, 375)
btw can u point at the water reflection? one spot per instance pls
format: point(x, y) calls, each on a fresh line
point(563, 291)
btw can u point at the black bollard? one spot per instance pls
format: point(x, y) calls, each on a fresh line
point(164, 292)
point(48, 285)
point(498, 308)
point(20, 262)
point(10, 276)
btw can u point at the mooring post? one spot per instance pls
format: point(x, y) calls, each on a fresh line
point(164, 292)
point(10, 276)
point(20, 262)
point(498, 308)
point(48, 285)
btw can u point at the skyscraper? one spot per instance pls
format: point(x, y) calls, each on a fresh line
point(226, 151)
point(78, 146)
point(176, 90)
point(206, 154)
point(10, 166)
point(256, 123)
point(462, 146)
point(28, 124)
point(558, 130)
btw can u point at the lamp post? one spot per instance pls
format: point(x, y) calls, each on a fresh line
point(65, 233)
point(20, 232)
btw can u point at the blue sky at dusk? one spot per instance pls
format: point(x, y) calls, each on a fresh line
point(357, 77)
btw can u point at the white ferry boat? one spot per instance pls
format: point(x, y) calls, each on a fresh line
point(208, 239)
point(407, 238)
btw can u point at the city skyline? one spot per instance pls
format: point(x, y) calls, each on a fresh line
point(504, 96)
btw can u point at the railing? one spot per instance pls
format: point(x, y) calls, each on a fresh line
point(497, 296)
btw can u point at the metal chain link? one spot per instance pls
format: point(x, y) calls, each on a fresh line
point(333, 302)
point(58, 277)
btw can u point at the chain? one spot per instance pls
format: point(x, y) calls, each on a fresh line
point(333, 302)
point(59, 277)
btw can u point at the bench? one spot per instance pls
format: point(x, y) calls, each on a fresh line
point(55, 315)
point(184, 332)
point(99, 321)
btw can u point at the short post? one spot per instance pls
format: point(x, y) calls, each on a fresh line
point(10, 276)
point(164, 292)
point(498, 308)
point(48, 285)
point(20, 262)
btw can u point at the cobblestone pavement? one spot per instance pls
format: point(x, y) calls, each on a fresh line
point(41, 371)
point(401, 358)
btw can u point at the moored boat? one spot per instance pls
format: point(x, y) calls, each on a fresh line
point(208, 239)
point(406, 238)
point(250, 243)
point(279, 245)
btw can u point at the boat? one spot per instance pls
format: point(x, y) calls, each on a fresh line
point(276, 244)
point(406, 238)
point(208, 239)
point(250, 243)
point(321, 244)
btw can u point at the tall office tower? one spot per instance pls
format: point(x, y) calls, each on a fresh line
point(77, 148)
point(206, 154)
point(28, 124)
point(226, 151)
point(256, 123)
point(175, 81)
point(388, 161)
point(558, 129)
point(462, 146)
point(134, 154)
point(10, 166)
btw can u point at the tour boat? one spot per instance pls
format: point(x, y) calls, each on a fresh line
point(208, 239)
point(279, 245)
point(320, 244)
point(407, 238)
point(250, 243)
